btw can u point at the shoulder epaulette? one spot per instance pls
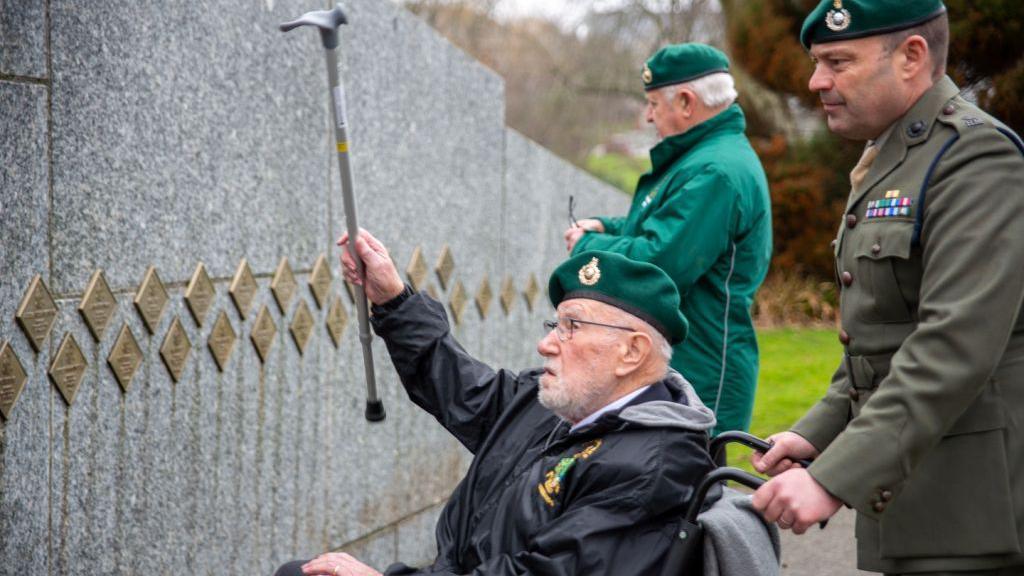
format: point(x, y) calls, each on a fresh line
point(962, 117)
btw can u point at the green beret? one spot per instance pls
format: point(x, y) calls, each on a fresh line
point(836, 20)
point(680, 63)
point(642, 289)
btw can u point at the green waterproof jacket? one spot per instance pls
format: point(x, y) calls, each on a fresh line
point(703, 215)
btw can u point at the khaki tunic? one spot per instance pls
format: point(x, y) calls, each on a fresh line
point(921, 429)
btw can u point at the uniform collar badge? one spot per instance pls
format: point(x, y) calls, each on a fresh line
point(838, 19)
point(648, 76)
point(590, 273)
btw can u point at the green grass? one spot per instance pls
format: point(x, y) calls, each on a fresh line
point(796, 367)
point(618, 170)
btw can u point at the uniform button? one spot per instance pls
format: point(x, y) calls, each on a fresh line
point(851, 221)
point(949, 110)
point(879, 507)
point(854, 394)
point(847, 278)
point(915, 129)
point(876, 248)
point(844, 337)
point(886, 495)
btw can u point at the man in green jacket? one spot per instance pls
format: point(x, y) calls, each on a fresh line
point(921, 429)
point(703, 215)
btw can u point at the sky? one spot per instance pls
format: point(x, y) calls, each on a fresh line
point(553, 9)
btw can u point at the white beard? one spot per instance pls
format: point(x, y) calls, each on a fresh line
point(556, 396)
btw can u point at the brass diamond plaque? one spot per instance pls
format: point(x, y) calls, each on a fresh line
point(175, 349)
point(302, 326)
point(222, 340)
point(243, 288)
point(68, 368)
point(37, 313)
point(151, 299)
point(320, 281)
point(484, 295)
point(445, 266)
point(283, 286)
point(337, 319)
point(508, 295)
point(98, 305)
point(125, 357)
point(263, 333)
point(12, 379)
point(417, 271)
point(531, 292)
point(199, 294)
point(457, 304)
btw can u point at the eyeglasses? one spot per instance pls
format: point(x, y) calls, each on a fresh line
point(565, 326)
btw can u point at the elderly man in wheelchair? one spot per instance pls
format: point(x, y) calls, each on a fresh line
point(583, 466)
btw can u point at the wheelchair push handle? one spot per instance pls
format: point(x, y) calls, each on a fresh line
point(735, 436)
point(717, 445)
point(714, 477)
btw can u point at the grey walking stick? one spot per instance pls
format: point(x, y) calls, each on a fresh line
point(327, 21)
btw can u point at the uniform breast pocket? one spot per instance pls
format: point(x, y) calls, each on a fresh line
point(883, 254)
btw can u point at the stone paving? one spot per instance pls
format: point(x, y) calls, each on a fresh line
point(829, 552)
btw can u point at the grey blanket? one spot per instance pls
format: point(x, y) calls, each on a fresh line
point(737, 541)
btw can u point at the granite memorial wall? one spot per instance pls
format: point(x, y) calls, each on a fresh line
point(180, 377)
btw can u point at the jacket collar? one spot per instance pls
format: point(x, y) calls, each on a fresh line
point(912, 129)
point(671, 402)
point(730, 120)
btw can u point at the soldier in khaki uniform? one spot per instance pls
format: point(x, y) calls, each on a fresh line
point(921, 428)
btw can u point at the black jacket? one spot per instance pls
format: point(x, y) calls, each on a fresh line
point(604, 499)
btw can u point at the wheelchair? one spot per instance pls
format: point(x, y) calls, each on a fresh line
point(686, 557)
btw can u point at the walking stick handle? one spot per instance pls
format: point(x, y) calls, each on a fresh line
point(326, 20)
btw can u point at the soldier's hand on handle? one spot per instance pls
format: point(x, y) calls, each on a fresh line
point(795, 501)
point(382, 279)
point(786, 448)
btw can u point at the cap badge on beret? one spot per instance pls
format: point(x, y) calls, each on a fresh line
point(838, 19)
point(590, 273)
point(648, 76)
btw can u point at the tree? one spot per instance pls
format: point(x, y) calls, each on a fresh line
point(986, 53)
point(809, 180)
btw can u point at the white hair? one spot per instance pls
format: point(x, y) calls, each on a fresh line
point(661, 345)
point(714, 90)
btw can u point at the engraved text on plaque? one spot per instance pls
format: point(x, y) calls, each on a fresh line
point(37, 313)
point(125, 357)
point(68, 368)
point(151, 300)
point(98, 305)
point(12, 379)
point(199, 294)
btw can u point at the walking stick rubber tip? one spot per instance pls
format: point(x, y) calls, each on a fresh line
point(375, 411)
